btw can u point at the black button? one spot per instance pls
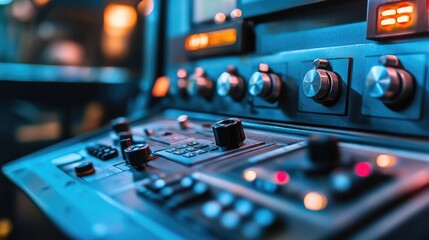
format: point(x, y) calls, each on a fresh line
point(84, 169)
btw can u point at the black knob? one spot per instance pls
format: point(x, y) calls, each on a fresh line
point(137, 154)
point(84, 169)
point(323, 153)
point(120, 124)
point(125, 143)
point(228, 133)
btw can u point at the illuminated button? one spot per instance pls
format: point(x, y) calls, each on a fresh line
point(403, 19)
point(250, 175)
point(341, 182)
point(236, 13)
point(388, 12)
point(385, 161)
point(388, 21)
point(225, 198)
point(264, 217)
point(230, 219)
point(200, 188)
point(220, 18)
point(407, 9)
point(363, 169)
point(244, 207)
point(281, 177)
point(211, 209)
point(315, 201)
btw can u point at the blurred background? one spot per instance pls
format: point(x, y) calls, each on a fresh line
point(66, 68)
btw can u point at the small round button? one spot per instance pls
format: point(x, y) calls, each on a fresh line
point(84, 169)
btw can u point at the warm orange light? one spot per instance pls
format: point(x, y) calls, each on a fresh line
point(385, 161)
point(119, 19)
point(161, 86)
point(407, 9)
point(250, 175)
point(315, 201)
point(41, 2)
point(403, 19)
point(5, 228)
point(145, 7)
point(211, 39)
point(387, 21)
point(388, 12)
point(396, 17)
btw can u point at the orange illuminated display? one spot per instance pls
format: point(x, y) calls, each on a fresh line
point(119, 19)
point(161, 86)
point(211, 39)
point(396, 17)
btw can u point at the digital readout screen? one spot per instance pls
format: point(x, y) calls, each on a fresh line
point(396, 17)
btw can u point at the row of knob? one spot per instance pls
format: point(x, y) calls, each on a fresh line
point(388, 82)
point(264, 83)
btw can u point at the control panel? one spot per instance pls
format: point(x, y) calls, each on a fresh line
point(221, 179)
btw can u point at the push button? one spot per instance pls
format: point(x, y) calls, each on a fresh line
point(84, 169)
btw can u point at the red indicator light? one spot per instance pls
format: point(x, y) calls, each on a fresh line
point(281, 177)
point(363, 169)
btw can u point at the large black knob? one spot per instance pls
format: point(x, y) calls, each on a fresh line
point(323, 153)
point(228, 133)
point(137, 154)
point(120, 124)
